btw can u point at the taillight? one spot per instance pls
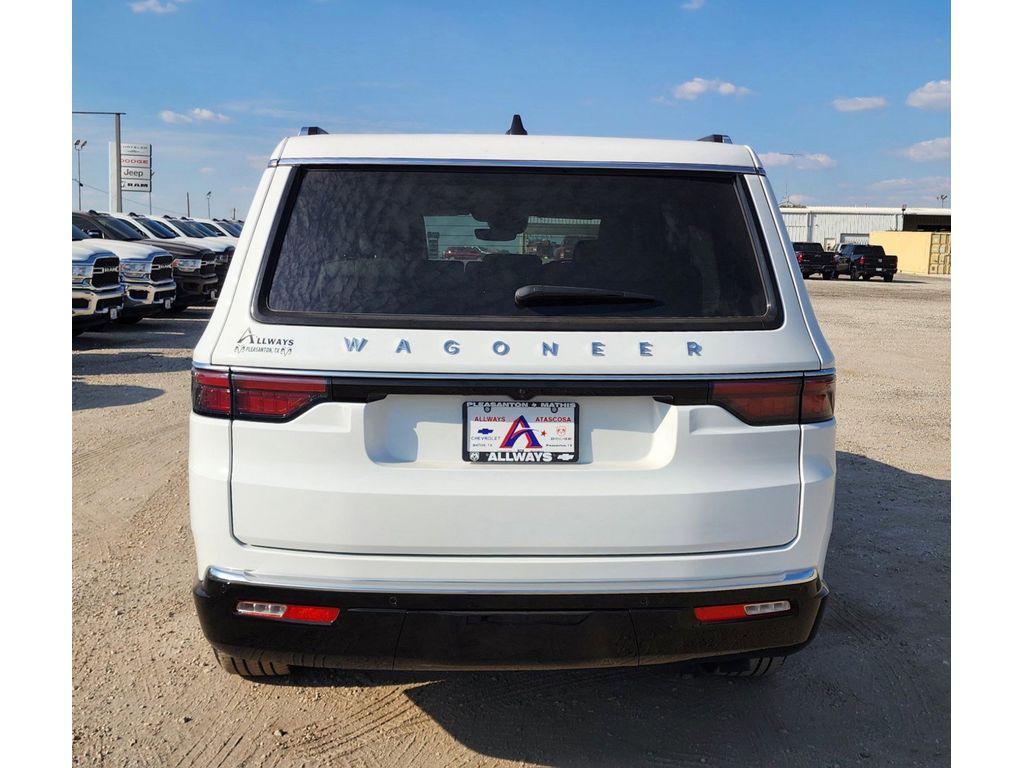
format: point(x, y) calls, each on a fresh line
point(760, 402)
point(275, 397)
point(255, 396)
point(303, 614)
point(767, 402)
point(818, 400)
point(211, 392)
point(799, 256)
point(860, 260)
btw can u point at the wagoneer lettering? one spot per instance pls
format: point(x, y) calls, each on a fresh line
point(529, 402)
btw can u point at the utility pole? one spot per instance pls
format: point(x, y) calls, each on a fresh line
point(115, 172)
point(79, 146)
point(188, 207)
point(208, 204)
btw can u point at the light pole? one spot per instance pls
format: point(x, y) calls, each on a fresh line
point(79, 146)
point(942, 199)
point(208, 204)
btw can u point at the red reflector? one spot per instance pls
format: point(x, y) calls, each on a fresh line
point(308, 614)
point(276, 396)
point(740, 611)
point(819, 398)
point(719, 612)
point(211, 392)
point(759, 402)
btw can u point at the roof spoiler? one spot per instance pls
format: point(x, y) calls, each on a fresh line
point(517, 128)
point(718, 138)
point(312, 130)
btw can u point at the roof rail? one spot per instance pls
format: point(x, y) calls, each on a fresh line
point(718, 138)
point(517, 128)
point(312, 130)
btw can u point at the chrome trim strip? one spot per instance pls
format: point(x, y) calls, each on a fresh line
point(537, 376)
point(511, 587)
point(483, 163)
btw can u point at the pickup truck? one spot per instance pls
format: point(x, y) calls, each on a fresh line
point(194, 267)
point(96, 292)
point(863, 262)
point(146, 276)
point(813, 258)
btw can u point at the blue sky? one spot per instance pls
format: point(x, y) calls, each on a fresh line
point(845, 102)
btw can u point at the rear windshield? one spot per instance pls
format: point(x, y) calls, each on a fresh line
point(500, 248)
point(811, 247)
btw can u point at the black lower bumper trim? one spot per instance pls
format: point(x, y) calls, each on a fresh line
point(449, 632)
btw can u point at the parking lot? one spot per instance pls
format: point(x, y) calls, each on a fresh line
point(873, 689)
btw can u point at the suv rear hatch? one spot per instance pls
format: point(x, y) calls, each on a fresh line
point(606, 301)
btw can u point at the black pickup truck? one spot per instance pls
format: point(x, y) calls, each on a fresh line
point(865, 262)
point(813, 258)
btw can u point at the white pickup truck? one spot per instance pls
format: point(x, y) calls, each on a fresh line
point(96, 292)
point(607, 441)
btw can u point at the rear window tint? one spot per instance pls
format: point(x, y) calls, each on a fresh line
point(450, 248)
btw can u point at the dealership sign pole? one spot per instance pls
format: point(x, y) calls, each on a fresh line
point(134, 168)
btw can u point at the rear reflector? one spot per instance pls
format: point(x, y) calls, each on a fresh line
point(306, 614)
point(760, 402)
point(737, 611)
point(276, 397)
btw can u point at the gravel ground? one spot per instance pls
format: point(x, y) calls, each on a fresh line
point(873, 689)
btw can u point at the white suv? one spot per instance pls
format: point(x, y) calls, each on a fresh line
point(608, 439)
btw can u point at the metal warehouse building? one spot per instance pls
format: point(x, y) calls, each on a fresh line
point(834, 225)
point(920, 237)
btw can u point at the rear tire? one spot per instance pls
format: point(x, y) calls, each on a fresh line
point(888, 278)
point(247, 668)
point(128, 320)
point(758, 667)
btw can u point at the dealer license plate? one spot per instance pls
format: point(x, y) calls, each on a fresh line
point(520, 433)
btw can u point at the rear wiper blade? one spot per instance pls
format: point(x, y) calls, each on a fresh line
point(554, 295)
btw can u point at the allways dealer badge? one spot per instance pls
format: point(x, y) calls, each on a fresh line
point(249, 343)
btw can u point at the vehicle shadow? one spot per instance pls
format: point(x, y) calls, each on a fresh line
point(874, 683)
point(164, 331)
point(85, 396)
point(135, 361)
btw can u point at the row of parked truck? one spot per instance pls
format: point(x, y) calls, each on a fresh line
point(857, 261)
point(128, 266)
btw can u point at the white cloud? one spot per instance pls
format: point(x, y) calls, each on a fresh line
point(206, 169)
point(858, 103)
point(926, 151)
point(153, 6)
point(800, 161)
point(174, 118)
point(932, 95)
point(698, 86)
point(196, 114)
point(693, 5)
point(208, 115)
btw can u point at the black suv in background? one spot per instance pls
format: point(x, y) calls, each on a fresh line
point(813, 258)
point(865, 261)
point(195, 268)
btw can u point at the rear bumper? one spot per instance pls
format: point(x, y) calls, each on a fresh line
point(417, 631)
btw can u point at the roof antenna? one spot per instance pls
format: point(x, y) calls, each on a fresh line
point(516, 129)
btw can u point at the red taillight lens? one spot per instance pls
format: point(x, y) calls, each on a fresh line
point(760, 402)
point(860, 260)
point(799, 256)
point(818, 400)
point(211, 393)
point(736, 611)
point(305, 614)
point(276, 397)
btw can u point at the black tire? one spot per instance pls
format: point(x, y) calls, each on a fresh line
point(176, 309)
point(853, 274)
point(128, 320)
point(759, 667)
point(247, 668)
point(828, 275)
point(888, 277)
point(865, 277)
